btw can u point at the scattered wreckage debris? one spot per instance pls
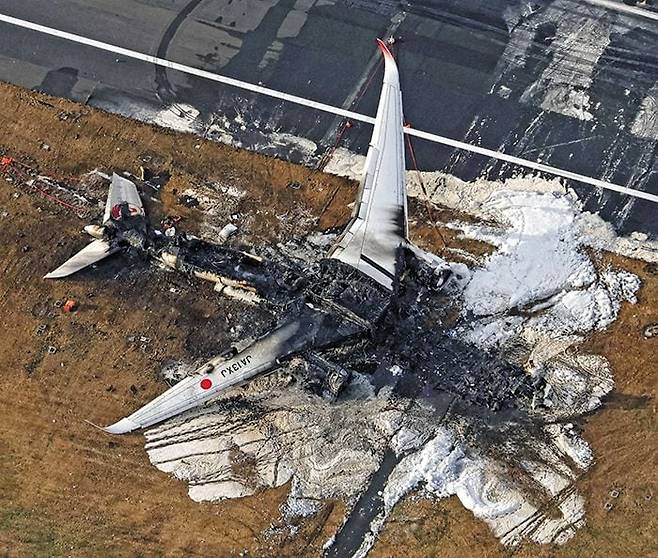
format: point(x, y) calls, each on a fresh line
point(227, 232)
point(27, 179)
point(155, 181)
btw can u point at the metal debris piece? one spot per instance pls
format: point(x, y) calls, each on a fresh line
point(651, 330)
point(227, 232)
point(52, 350)
point(188, 201)
point(336, 376)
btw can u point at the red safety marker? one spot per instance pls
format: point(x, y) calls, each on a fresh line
point(206, 383)
point(70, 306)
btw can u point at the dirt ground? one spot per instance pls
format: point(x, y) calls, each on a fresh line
point(67, 489)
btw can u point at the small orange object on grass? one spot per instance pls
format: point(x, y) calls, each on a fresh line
point(70, 306)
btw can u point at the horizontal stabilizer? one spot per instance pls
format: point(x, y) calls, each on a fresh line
point(90, 254)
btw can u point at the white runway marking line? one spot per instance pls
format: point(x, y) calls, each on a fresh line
point(618, 6)
point(322, 106)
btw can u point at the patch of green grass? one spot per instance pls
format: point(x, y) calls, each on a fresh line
point(29, 531)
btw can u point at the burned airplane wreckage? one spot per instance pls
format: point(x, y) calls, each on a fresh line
point(376, 303)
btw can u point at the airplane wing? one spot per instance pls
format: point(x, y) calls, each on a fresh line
point(218, 374)
point(122, 191)
point(379, 221)
point(90, 254)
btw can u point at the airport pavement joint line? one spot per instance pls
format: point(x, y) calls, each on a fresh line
point(322, 107)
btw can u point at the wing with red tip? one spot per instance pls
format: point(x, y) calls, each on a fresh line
point(379, 221)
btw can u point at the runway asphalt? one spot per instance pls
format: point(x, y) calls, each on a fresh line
point(569, 83)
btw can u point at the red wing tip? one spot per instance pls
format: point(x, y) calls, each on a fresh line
point(384, 48)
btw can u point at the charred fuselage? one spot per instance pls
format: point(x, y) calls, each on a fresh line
point(401, 338)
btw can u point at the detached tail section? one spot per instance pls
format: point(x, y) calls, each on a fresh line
point(122, 200)
point(123, 194)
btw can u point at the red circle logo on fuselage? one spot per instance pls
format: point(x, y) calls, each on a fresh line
point(206, 383)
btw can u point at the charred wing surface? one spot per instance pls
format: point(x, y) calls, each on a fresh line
point(341, 289)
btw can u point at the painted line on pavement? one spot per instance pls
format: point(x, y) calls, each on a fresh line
point(540, 167)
